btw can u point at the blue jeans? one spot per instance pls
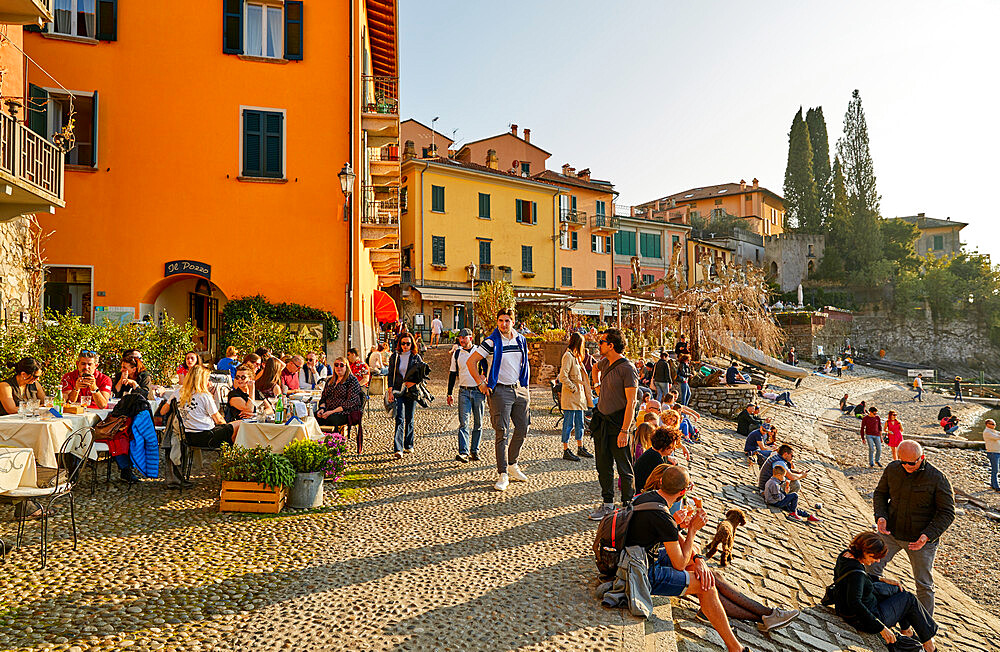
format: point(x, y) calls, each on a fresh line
point(664, 579)
point(404, 424)
point(958, 396)
point(994, 459)
point(951, 431)
point(917, 396)
point(661, 390)
point(790, 503)
point(874, 449)
point(470, 402)
point(572, 419)
point(786, 397)
point(902, 608)
point(685, 393)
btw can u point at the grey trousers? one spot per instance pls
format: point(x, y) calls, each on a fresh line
point(509, 406)
point(922, 562)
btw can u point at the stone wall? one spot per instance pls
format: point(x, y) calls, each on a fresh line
point(790, 255)
point(14, 284)
point(726, 402)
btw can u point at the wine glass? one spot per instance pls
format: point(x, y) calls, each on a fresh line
point(22, 409)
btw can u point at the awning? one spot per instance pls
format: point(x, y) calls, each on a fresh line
point(385, 307)
point(593, 308)
point(449, 295)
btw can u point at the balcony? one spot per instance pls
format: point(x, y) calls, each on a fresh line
point(572, 217)
point(380, 109)
point(379, 215)
point(31, 171)
point(604, 224)
point(485, 273)
point(383, 163)
point(24, 12)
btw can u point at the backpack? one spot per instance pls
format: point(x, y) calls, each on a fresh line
point(915, 381)
point(610, 538)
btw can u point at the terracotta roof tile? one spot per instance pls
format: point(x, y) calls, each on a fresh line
point(556, 177)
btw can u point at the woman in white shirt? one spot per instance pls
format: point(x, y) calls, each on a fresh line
point(203, 425)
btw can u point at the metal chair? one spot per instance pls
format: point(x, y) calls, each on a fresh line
point(73, 456)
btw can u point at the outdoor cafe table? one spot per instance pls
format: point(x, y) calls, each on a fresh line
point(44, 437)
point(276, 435)
point(17, 468)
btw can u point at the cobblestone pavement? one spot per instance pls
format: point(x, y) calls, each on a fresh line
point(424, 555)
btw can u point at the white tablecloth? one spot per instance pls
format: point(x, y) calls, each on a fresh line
point(17, 468)
point(277, 435)
point(45, 438)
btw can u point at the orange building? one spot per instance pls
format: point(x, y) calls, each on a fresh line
point(762, 211)
point(207, 157)
point(514, 153)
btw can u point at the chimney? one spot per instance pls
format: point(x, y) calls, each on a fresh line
point(743, 185)
point(409, 150)
point(584, 174)
point(513, 130)
point(921, 215)
point(527, 135)
point(755, 184)
point(432, 150)
point(492, 162)
point(570, 172)
point(566, 169)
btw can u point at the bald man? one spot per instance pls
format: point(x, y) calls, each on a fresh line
point(914, 505)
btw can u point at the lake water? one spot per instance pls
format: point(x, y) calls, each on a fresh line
point(976, 432)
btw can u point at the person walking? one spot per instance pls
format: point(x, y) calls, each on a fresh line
point(436, 328)
point(992, 439)
point(400, 362)
point(918, 386)
point(616, 380)
point(574, 398)
point(505, 386)
point(871, 432)
point(893, 433)
point(661, 375)
point(683, 378)
point(471, 402)
point(958, 389)
point(913, 504)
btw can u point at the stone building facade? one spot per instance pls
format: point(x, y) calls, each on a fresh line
point(789, 258)
point(15, 282)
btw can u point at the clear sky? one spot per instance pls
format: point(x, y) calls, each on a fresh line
point(661, 96)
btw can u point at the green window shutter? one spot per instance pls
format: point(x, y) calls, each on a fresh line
point(642, 244)
point(293, 30)
point(525, 258)
point(567, 276)
point(253, 136)
point(484, 205)
point(602, 279)
point(534, 212)
point(232, 26)
point(572, 202)
point(107, 20)
point(93, 135)
point(38, 110)
point(519, 210)
point(630, 241)
point(273, 163)
point(573, 242)
point(437, 199)
point(484, 252)
point(618, 243)
point(437, 250)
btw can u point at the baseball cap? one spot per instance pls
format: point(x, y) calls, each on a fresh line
point(465, 332)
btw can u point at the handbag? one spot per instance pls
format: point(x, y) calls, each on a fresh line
point(885, 437)
point(110, 427)
point(830, 595)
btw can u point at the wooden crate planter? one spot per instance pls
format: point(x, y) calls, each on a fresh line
point(251, 497)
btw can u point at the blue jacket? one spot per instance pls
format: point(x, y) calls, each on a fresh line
point(145, 448)
point(494, 374)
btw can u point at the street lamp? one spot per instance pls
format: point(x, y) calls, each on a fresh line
point(471, 269)
point(347, 178)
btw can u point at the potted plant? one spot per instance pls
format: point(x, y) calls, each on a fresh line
point(309, 459)
point(336, 445)
point(253, 479)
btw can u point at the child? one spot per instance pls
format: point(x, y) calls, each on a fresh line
point(776, 496)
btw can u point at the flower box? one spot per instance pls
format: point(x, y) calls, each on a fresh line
point(251, 497)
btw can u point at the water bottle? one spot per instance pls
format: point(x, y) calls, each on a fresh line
point(279, 411)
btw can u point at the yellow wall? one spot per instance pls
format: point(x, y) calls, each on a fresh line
point(696, 251)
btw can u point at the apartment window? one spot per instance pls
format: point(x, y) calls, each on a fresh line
point(647, 279)
point(600, 207)
point(404, 195)
point(484, 205)
point(602, 279)
point(525, 167)
point(675, 241)
point(263, 144)
point(694, 215)
point(625, 243)
point(619, 280)
point(567, 276)
point(526, 211)
point(437, 199)
point(573, 240)
point(95, 19)
point(649, 245)
point(811, 251)
point(607, 244)
point(718, 202)
point(49, 113)
point(437, 250)
point(485, 252)
point(596, 244)
point(938, 243)
point(526, 265)
point(263, 28)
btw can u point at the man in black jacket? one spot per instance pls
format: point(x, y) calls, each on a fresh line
point(661, 376)
point(748, 420)
point(914, 505)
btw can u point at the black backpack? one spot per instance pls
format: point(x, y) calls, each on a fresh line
point(611, 533)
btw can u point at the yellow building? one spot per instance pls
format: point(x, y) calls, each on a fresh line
point(938, 237)
point(456, 214)
point(760, 210)
point(706, 257)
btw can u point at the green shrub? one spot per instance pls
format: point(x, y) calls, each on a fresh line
point(307, 456)
point(258, 464)
point(257, 312)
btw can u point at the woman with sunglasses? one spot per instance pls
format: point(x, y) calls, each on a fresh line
point(21, 386)
point(400, 362)
point(241, 403)
point(343, 398)
point(133, 377)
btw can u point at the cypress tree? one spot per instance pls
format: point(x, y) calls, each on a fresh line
point(822, 172)
point(801, 208)
point(862, 196)
point(838, 231)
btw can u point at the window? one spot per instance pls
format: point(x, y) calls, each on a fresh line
point(675, 241)
point(596, 244)
point(525, 167)
point(718, 202)
point(403, 197)
point(567, 276)
point(526, 259)
point(526, 211)
point(484, 206)
point(694, 215)
point(94, 19)
point(600, 207)
point(811, 254)
point(938, 243)
point(437, 199)
point(602, 279)
point(263, 28)
point(625, 243)
point(48, 114)
point(619, 280)
point(263, 144)
point(485, 252)
point(437, 250)
point(573, 241)
point(647, 279)
point(649, 245)
point(607, 244)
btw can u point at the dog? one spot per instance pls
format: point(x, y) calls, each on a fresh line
point(725, 534)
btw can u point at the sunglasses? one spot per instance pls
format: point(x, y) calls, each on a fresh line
point(88, 354)
point(602, 341)
point(405, 343)
point(913, 463)
point(339, 365)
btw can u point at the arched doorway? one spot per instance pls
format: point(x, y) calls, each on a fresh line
point(774, 270)
point(187, 297)
point(812, 267)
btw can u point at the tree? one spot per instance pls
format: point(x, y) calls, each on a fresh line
point(899, 237)
point(822, 172)
point(801, 208)
point(838, 231)
point(863, 198)
point(492, 297)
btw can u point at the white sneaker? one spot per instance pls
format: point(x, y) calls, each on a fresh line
point(399, 455)
point(502, 483)
point(516, 474)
